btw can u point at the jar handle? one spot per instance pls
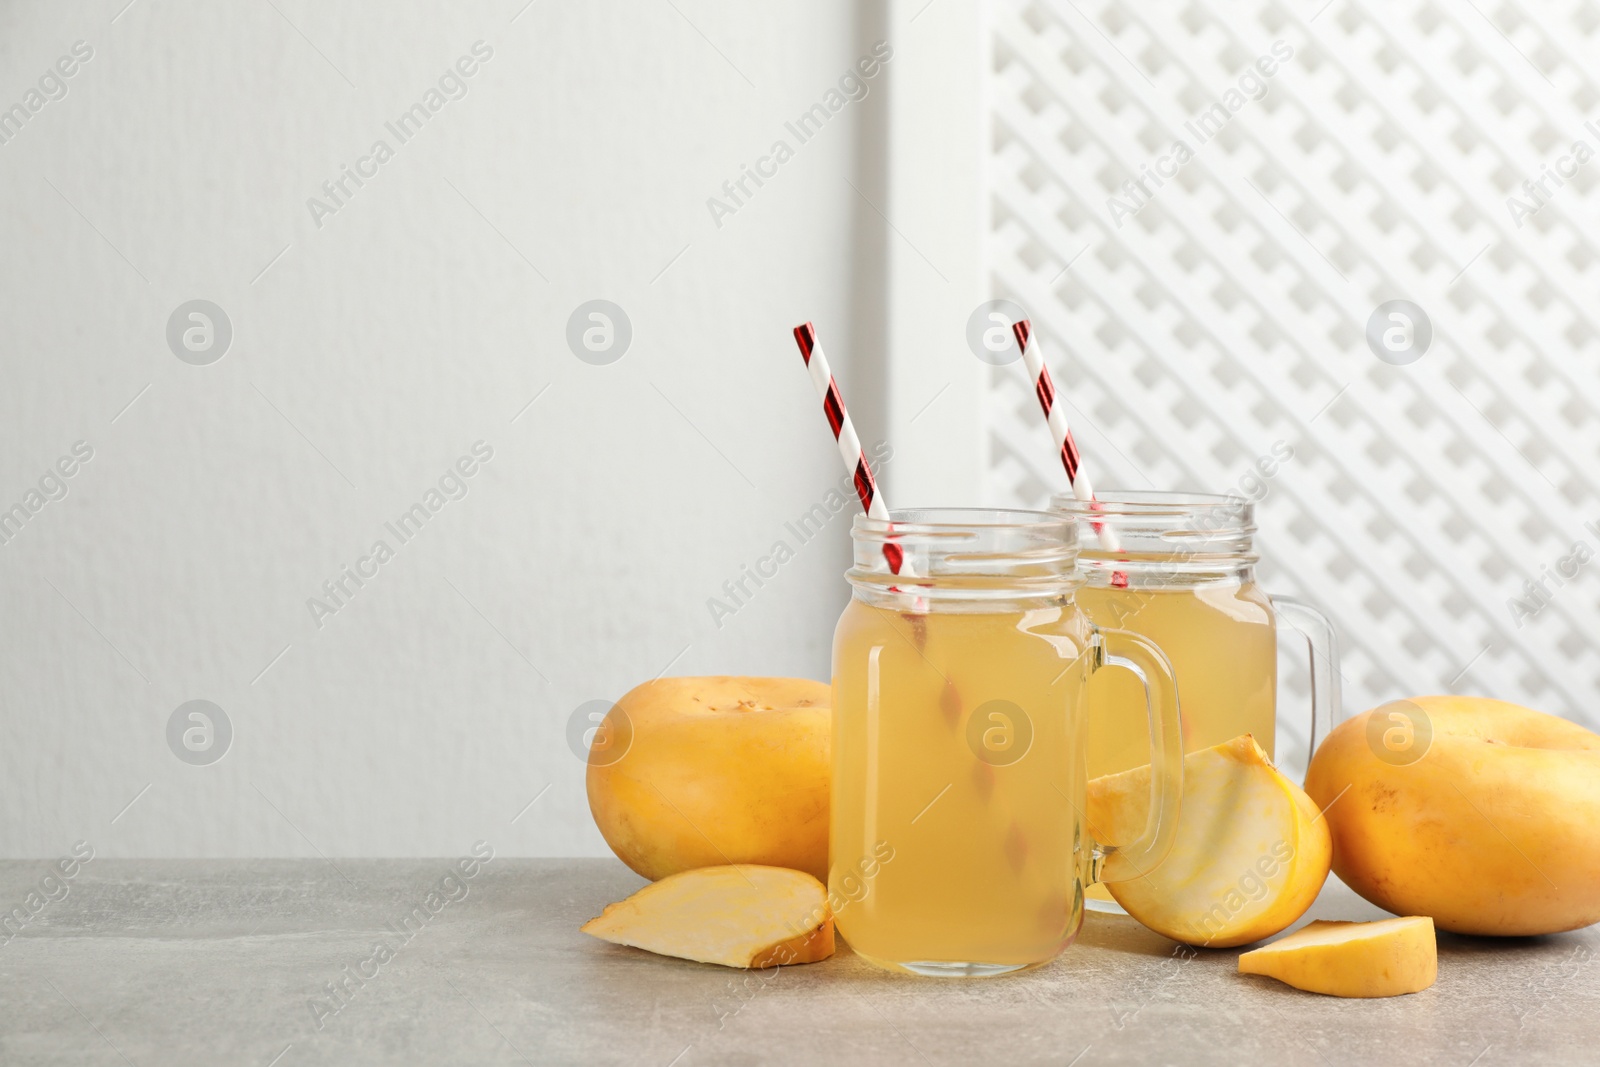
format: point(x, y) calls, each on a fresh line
point(1136, 653)
point(1322, 642)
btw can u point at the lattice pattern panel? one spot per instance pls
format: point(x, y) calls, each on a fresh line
point(1222, 304)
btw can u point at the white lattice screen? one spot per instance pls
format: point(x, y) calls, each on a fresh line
point(1231, 311)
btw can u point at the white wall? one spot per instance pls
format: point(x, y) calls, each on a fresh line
point(374, 351)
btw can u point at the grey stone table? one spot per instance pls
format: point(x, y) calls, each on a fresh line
point(157, 962)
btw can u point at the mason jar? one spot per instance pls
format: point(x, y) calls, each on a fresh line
point(958, 844)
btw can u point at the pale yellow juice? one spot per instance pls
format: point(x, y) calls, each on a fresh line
point(953, 835)
point(1221, 640)
point(1223, 646)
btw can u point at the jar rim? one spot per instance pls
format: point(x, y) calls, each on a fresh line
point(1164, 536)
point(1147, 502)
point(937, 521)
point(966, 555)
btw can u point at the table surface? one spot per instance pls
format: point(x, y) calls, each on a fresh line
point(220, 961)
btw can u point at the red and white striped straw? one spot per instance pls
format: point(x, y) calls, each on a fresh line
point(1082, 487)
point(855, 460)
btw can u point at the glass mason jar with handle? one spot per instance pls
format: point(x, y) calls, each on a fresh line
point(1184, 577)
point(958, 842)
